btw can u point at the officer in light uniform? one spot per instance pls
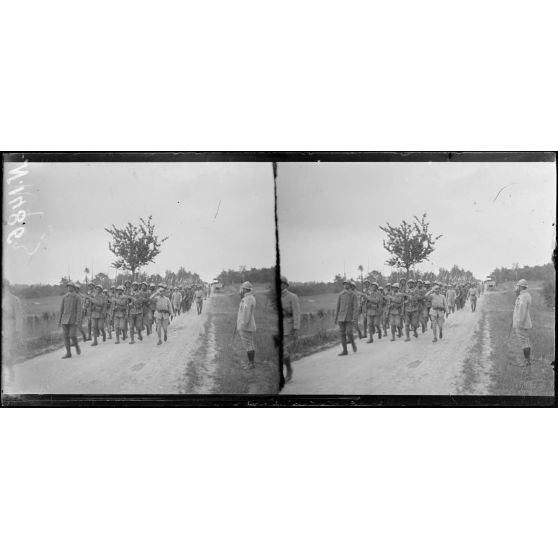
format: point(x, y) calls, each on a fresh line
point(246, 323)
point(291, 324)
point(176, 300)
point(163, 311)
point(374, 312)
point(522, 320)
point(472, 296)
point(70, 317)
point(345, 315)
point(451, 295)
point(438, 311)
point(199, 295)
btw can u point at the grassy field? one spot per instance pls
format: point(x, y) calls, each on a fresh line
point(36, 306)
point(507, 377)
point(233, 377)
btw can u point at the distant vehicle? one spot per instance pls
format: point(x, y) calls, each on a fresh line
point(216, 285)
point(489, 283)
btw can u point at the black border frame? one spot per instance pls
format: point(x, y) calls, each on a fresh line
point(457, 401)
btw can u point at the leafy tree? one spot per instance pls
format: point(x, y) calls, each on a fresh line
point(409, 243)
point(135, 245)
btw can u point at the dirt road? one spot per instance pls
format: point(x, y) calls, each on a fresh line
point(419, 367)
point(142, 368)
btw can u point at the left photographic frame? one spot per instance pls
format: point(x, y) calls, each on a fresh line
point(138, 275)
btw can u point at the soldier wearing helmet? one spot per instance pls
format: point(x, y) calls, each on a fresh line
point(120, 312)
point(345, 315)
point(438, 310)
point(98, 311)
point(472, 296)
point(290, 307)
point(450, 297)
point(411, 309)
point(374, 311)
point(246, 323)
point(426, 303)
point(135, 311)
point(199, 295)
point(163, 311)
point(396, 301)
point(176, 300)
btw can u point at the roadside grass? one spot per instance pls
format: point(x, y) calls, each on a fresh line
point(508, 378)
point(232, 376)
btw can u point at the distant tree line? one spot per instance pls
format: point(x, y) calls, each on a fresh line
point(262, 275)
point(530, 273)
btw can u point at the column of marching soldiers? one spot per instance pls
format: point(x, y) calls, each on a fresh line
point(127, 310)
point(406, 306)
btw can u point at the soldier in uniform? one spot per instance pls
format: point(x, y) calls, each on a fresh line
point(135, 312)
point(450, 296)
point(291, 324)
point(88, 295)
point(120, 312)
point(98, 310)
point(176, 300)
point(345, 314)
point(199, 298)
point(396, 301)
point(70, 317)
point(374, 312)
point(149, 309)
point(411, 309)
point(127, 291)
point(522, 320)
point(364, 303)
point(438, 310)
point(246, 323)
point(359, 302)
point(84, 307)
point(385, 312)
point(472, 296)
point(108, 314)
point(163, 311)
point(426, 305)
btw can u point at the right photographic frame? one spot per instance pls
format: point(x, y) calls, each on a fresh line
point(418, 275)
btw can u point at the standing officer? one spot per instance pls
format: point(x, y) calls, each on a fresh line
point(135, 312)
point(70, 317)
point(522, 320)
point(396, 301)
point(345, 314)
point(438, 310)
point(374, 308)
point(411, 309)
point(291, 324)
point(120, 312)
point(246, 323)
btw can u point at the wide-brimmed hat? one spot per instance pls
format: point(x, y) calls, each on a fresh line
point(522, 283)
point(284, 280)
point(247, 285)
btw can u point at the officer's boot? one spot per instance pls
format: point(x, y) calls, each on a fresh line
point(165, 332)
point(68, 350)
point(441, 334)
point(251, 359)
point(399, 331)
point(379, 332)
point(435, 337)
point(407, 337)
point(370, 334)
point(344, 344)
point(527, 355)
point(393, 333)
point(104, 334)
point(423, 325)
point(139, 334)
point(415, 334)
point(132, 336)
point(289, 369)
point(95, 335)
point(117, 342)
point(75, 341)
point(110, 331)
point(352, 341)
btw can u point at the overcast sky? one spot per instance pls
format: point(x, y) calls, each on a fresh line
point(78, 200)
point(329, 214)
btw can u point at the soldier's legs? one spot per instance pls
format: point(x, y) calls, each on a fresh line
point(407, 320)
point(343, 335)
point(73, 336)
point(89, 328)
point(364, 323)
point(371, 328)
point(132, 326)
point(414, 322)
point(158, 328)
point(66, 332)
point(139, 325)
point(288, 342)
point(117, 327)
point(95, 328)
point(102, 328)
point(125, 328)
